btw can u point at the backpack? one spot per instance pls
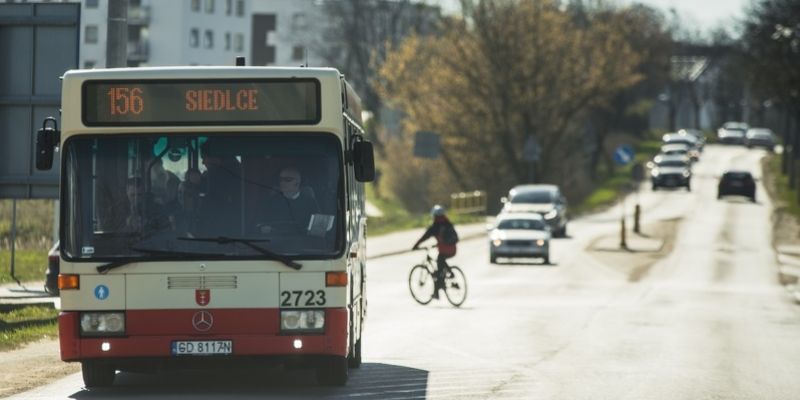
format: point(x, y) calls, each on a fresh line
point(449, 235)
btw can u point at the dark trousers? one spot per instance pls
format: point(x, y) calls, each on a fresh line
point(441, 269)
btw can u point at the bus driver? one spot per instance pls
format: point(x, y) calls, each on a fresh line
point(291, 208)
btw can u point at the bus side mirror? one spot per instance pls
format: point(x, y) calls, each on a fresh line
point(47, 139)
point(363, 161)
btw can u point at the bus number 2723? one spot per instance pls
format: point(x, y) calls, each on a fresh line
point(299, 298)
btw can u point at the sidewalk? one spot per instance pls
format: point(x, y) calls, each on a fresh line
point(400, 242)
point(13, 296)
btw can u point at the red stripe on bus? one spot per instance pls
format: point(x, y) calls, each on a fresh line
point(147, 338)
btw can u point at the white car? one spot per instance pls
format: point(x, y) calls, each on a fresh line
point(519, 235)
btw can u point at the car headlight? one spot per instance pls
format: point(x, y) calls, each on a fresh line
point(551, 214)
point(302, 320)
point(654, 173)
point(497, 242)
point(103, 323)
point(540, 242)
point(686, 174)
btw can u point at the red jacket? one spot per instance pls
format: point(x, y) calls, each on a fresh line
point(437, 229)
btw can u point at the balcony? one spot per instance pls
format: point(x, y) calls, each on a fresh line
point(139, 15)
point(139, 51)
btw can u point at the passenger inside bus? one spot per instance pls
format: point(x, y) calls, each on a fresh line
point(186, 214)
point(220, 193)
point(145, 214)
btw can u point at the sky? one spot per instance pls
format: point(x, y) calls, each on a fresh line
point(705, 15)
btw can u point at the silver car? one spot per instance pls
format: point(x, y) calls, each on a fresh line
point(518, 235)
point(543, 199)
point(760, 137)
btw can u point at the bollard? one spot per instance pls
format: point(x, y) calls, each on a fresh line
point(622, 243)
point(636, 214)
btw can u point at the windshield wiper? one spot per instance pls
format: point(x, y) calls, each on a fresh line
point(114, 264)
point(121, 263)
point(251, 244)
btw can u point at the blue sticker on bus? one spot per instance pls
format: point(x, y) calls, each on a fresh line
point(101, 292)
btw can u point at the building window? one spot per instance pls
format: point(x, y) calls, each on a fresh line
point(209, 6)
point(91, 3)
point(195, 5)
point(91, 34)
point(228, 7)
point(208, 39)
point(194, 37)
point(240, 8)
point(227, 40)
point(298, 53)
point(298, 21)
point(89, 64)
point(238, 42)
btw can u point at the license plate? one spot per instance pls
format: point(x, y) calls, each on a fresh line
point(201, 347)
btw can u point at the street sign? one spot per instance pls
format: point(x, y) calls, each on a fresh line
point(39, 42)
point(531, 150)
point(426, 144)
point(623, 154)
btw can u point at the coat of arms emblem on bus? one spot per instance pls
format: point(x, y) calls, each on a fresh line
point(202, 296)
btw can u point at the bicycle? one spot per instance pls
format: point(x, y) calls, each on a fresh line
point(422, 281)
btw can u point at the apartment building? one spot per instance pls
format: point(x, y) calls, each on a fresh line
point(164, 33)
point(287, 32)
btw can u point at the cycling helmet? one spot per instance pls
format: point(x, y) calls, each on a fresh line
point(437, 211)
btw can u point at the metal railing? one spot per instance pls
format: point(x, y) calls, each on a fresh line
point(468, 202)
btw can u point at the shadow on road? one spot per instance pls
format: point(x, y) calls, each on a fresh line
point(371, 381)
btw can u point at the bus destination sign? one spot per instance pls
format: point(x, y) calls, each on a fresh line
point(233, 102)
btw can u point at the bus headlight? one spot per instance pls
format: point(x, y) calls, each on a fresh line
point(102, 324)
point(302, 320)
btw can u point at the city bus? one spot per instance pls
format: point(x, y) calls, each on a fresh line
point(210, 216)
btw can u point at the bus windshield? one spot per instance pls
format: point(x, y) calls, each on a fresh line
point(158, 196)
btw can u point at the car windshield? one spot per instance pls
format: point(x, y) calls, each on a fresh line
point(738, 175)
point(672, 163)
point(533, 197)
point(528, 224)
point(738, 126)
point(760, 133)
point(140, 196)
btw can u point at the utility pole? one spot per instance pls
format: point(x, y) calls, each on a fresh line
point(117, 34)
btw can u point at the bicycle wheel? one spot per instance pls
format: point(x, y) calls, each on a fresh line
point(421, 284)
point(455, 286)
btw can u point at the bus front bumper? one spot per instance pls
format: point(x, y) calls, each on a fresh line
point(248, 339)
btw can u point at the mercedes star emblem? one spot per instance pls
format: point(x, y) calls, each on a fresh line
point(202, 321)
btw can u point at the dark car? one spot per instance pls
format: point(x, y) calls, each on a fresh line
point(671, 171)
point(546, 200)
point(760, 137)
point(737, 183)
point(51, 274)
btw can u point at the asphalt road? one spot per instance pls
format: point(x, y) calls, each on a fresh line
point(710, 321)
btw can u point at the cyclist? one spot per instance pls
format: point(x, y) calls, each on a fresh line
point(446, 238)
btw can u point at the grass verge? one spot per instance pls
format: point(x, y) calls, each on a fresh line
point(27, 324)
point(29, 265)
point(785, 199)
